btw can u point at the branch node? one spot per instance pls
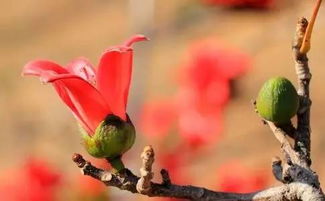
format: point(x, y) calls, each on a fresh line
point(106, 177)
point(300, 33)
point(144, 183)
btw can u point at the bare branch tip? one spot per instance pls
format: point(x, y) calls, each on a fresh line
point(79, 160)
point(144, 183)
point(165, 177)
point(147, 152)
point(302, 23)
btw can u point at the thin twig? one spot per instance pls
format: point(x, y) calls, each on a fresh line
point(286, 147)
point(165, 177)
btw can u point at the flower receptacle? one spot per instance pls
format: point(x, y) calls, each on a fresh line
point(112, 138)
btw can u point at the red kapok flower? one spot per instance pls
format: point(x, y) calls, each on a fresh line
point(91, 95)
point(97, 99)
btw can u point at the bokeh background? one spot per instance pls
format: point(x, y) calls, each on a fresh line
point(191, 96)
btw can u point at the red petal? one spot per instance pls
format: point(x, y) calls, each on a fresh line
point(113, 80)
point(82, 98)
point(83, 68)
point(114, 76)
point(134, 39)
point(36, 67)
point(63, 93)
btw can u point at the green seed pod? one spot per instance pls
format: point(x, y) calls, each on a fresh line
point(277, 101)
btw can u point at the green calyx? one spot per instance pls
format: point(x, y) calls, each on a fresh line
point(277, 101)
point(112, 138)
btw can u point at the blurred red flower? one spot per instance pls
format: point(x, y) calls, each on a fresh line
point(91, 96)
point(235, 177)
point(175, 163)
point(199, 122)
point(157, 118)
point(243, 3)
point(211, 60)
point(197, 126)
point(41, 173)
point(35, 181)
point(204, 90)
point(205, 76)
point(200, 130)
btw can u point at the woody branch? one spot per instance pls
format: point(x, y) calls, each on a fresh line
point(300, 182)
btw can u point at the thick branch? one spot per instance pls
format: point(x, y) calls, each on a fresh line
point(126, 180)
point(302, 140)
